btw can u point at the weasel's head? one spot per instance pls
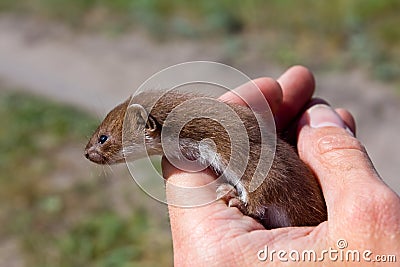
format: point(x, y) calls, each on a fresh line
point(127, 132)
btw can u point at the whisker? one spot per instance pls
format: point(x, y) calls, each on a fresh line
point(105, 176)
point(110, 168)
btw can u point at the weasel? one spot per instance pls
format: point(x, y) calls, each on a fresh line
point(289, 195)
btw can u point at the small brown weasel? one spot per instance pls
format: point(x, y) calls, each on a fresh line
point(289, 195)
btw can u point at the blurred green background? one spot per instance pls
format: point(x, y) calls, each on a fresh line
point(338, 34)
point(52, 222)
point(52, 210)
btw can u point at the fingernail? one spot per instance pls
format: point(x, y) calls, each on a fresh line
point(322, 115)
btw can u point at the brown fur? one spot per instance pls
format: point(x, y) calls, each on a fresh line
point(290, 185)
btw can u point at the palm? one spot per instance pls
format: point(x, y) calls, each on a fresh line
point(358, 202)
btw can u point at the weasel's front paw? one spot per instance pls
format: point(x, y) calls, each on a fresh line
point(229, 194)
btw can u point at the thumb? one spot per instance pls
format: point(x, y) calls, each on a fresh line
point(345, 172)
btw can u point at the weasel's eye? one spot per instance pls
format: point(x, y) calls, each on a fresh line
point(102, 139)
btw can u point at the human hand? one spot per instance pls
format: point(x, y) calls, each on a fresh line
point(361, 209)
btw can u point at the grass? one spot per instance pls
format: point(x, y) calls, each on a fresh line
point(72, 226)
point(340, 34)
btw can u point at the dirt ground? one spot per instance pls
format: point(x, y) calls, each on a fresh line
point(96, 72)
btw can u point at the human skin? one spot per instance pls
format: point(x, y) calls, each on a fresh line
point(362, 209)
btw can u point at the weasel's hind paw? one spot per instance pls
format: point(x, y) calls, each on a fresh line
point(229, 194)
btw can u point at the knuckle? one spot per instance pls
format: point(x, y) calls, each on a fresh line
point(386, 203)
point(339, 141)
point(377, 207)
point(341, 151)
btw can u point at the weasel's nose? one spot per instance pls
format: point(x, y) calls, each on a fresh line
point(87, 155)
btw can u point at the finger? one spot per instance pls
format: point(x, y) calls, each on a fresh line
point(185, 190)
point(344, 114)
point(340, 162)
point(182, 219)
point(269, 88)
point(189, 226)
point(297, 85)
point(347, 118)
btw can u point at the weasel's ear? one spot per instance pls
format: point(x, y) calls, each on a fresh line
point(136, 114)
point(151, 124)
